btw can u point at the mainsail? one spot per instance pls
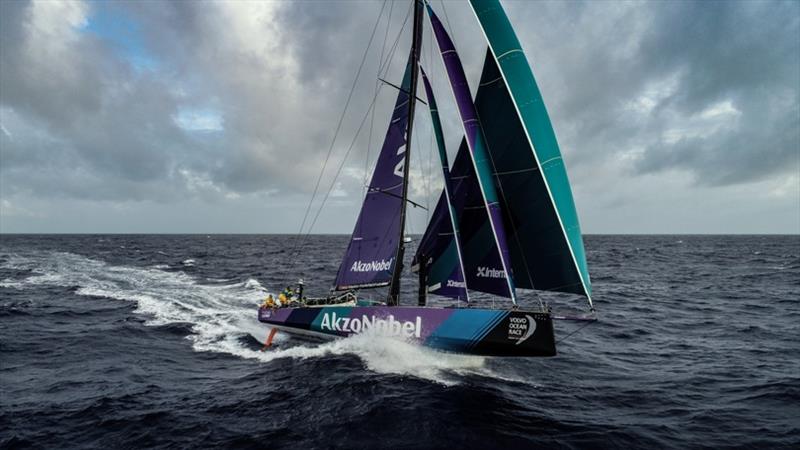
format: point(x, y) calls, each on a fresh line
point(477, 148)
point(544, 235)
point(371, 255)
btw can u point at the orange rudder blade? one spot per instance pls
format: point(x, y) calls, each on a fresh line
point(271, 336)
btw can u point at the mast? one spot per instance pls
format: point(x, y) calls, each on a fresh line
point(416, 38)
point(422, 293)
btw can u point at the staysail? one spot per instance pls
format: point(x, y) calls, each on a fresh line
point(371, 254)
point(439, 252)
point(477, 148)
point(545, 240)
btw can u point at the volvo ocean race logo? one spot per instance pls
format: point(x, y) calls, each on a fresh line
point(372, 266)
point(488, 272)
point(390, 326)
point(521, 329)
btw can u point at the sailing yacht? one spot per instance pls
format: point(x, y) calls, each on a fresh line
point(505, 221)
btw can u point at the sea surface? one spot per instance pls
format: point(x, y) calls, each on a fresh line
point(149, 341)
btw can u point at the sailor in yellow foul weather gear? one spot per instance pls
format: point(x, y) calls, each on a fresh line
point(269, 302)
point(286, 296)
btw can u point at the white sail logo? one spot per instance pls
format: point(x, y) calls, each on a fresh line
point(372, 266)
point(456, 284)
point(399, 169)
point(389, 326)
point(521, 328)
point(488, 272)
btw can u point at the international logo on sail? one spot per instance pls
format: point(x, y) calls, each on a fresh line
point(372, 266)
point(488, 272)
point(456, 284)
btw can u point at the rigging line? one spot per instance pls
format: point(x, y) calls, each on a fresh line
point(450, 27)
point(341, 166)
point(421, 168)
point(430, 143)
point(385, 67)
point(336, 133)
point(425, 176)
point(514, 230)
point(577, 330)
point(390, 57)
point(372, 120)
point(386, 34)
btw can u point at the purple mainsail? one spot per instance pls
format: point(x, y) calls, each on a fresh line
point(477, 148)
point(370, 257)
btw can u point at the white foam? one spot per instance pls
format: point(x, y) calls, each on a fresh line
point(222, 314)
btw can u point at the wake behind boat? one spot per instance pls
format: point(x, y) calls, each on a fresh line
point(505, 220)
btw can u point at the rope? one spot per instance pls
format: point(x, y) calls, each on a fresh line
point(355, 137)
point(377, 85)
point(335, 135)
point(577, 330)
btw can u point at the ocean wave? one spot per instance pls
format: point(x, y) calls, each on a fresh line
point(220, 315)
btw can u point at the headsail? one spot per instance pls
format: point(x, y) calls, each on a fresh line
point(476, 144)
point(440, 248)
point(483, 268)
point(370, 257)
point(439, 251)
point(545, 237)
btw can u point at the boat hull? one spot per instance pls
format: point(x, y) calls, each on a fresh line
point(459, 330)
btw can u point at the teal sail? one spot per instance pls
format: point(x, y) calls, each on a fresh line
point(438, 255)
point(483, 266)
point(545, 238)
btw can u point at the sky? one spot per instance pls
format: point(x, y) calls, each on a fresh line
point(216, 117)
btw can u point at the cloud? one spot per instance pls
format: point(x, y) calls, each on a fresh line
point(169, 102)
point(649, 80)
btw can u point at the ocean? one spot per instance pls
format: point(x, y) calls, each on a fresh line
point(151, 341)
